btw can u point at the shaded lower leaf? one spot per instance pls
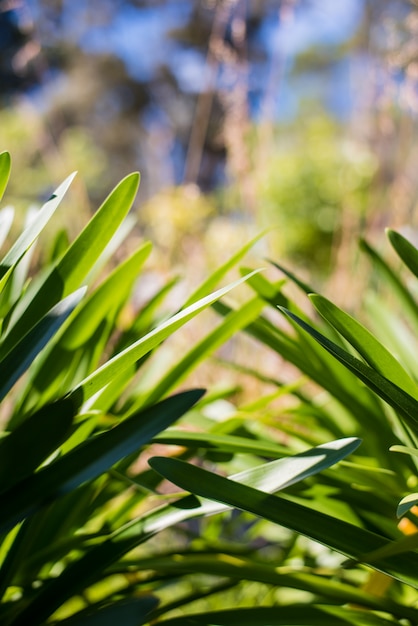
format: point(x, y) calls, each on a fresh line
point(48, 427)
point(302, 615)
point(132, 612)
point(91, 458)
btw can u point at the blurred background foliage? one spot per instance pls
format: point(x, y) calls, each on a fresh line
point(295, 115)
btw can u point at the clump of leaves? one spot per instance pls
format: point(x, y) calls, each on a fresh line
point(365, 509)
point(76, 508)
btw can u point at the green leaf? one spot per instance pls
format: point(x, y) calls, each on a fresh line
point(48, 427)
point(302, 615)
point(86, 570)
point(91, 458)
point(366, 344)
point(76, 263)
point(224, 443)
point(234, 322)
point(302, 285)
point(16, 362)
point(5, 167)
point(131, 612)
point(35, 227)
point(6, 220)
point(122, 361)
point(405, 450)
point(405, 298)
point(232, 566)
point(392, 394)
point(338, 535)
point(407, 252)
point(406, 504)
point(111, 294)
point(206, 287)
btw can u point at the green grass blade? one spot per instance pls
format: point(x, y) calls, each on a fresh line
point(76, 263)
point(392, 394)
point(406, 251)
point(122, 361)
point(366, 344)
point(332, 532)
point(5, 167)
point(91, 458)
point(16, 362)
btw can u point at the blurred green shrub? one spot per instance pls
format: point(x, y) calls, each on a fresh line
point(310, 175)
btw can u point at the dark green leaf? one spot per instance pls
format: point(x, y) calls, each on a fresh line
point(91, 458)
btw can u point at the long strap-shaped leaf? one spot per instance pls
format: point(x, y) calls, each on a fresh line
point(24, 352)
point(302, 615)
point(396, 397)
point(29, 235)
point(366, 344)
point(122, 361)
point(236, 567)
point(91, 458)
point(77, 576)
point(5, 166)
point(234, 322)
point(130, 612)
point(71, 269)
point(337, 535)
point(405, 249)
point(26, 447)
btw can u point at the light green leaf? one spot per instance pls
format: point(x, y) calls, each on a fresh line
point(206, 287)
point(405, 450)
point(35, 227)
point(224, 443)
point(236, 567)
point(6, 220)
point(16, 362)
point(234, 322)
point(5, 167)
point(76, 263)
point(406, 504)
point(122, 361)
point(394, 281)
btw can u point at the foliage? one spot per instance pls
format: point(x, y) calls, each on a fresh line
point(76, 503)
point(367, 509)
